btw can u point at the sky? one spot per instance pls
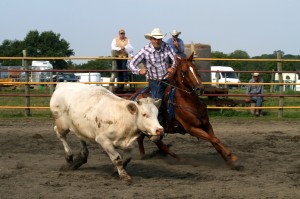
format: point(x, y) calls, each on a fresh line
point(255, 26)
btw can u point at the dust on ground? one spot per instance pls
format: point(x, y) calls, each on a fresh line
point(268, 166)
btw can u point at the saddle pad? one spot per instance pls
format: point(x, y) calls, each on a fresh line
point(140, 92)
point(171, 104)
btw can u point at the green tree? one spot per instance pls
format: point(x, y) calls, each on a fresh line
point(11, 49)
point(218, 54)
point(45, 44)
point(240, 65)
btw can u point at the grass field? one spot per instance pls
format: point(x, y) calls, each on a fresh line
point(45, 113)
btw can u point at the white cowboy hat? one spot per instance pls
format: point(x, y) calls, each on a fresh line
point(156, 33)
point(255, 74)
point(175, 33)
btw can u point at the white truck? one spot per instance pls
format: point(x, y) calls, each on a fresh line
point(224, 74)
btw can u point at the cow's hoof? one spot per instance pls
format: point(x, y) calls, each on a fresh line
point(69, 158)
point(115, 174)
point(127, 179)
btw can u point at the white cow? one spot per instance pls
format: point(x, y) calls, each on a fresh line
point(95, 114)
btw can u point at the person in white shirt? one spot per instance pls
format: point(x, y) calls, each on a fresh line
point(122, 48)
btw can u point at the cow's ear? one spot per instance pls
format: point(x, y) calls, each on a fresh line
point(132, 108)
point(157, 103)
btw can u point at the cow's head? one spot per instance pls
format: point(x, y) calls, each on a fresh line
point(146, 116)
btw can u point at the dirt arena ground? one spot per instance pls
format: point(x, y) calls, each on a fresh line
point(268, 167)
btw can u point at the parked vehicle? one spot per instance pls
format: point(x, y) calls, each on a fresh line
point(65, 77)
point(224, 74)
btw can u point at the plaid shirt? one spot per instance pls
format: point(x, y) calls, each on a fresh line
point(155, 61)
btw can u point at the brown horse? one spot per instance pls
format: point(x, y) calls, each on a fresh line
point(183, 110)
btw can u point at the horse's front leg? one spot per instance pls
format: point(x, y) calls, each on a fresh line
point(164, 148)
point(226, 154)
point(140, 141)
point(219, 146)
point(159, 143)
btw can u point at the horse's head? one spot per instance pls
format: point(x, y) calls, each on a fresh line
point(187, 75)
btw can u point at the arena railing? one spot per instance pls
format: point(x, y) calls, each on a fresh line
point(28, 83)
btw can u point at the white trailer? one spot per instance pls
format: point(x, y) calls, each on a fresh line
point(289, 78)
point(89, 77)
point(41, 76)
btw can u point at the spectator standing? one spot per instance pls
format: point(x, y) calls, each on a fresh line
point(122, 48)
point(176, 43)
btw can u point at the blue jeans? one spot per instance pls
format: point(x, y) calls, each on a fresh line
point(122, 76)
point(157, 88)
point(258, 101)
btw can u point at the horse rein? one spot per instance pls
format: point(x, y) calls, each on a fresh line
point(162, 81)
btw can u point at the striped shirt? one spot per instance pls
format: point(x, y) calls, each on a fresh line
point(155, 61)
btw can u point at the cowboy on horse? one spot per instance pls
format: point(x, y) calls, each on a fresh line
point(181, 106)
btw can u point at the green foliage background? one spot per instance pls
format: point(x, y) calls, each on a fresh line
point(50, 44)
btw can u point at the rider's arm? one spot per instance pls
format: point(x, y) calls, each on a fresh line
point(136, 60)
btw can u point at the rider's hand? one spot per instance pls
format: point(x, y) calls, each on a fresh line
point(171, 70)
point(143, 71)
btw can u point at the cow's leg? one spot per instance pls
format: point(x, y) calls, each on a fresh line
point(127, 156)
point(81, 158)
point(115, 158)
point(62, 136)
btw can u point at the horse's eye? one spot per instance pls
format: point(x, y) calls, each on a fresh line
point(145, 115)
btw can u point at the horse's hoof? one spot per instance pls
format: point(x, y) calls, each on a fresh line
point(65, 167)
point(238, 168)
point(143, 157)
point(233, 158)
